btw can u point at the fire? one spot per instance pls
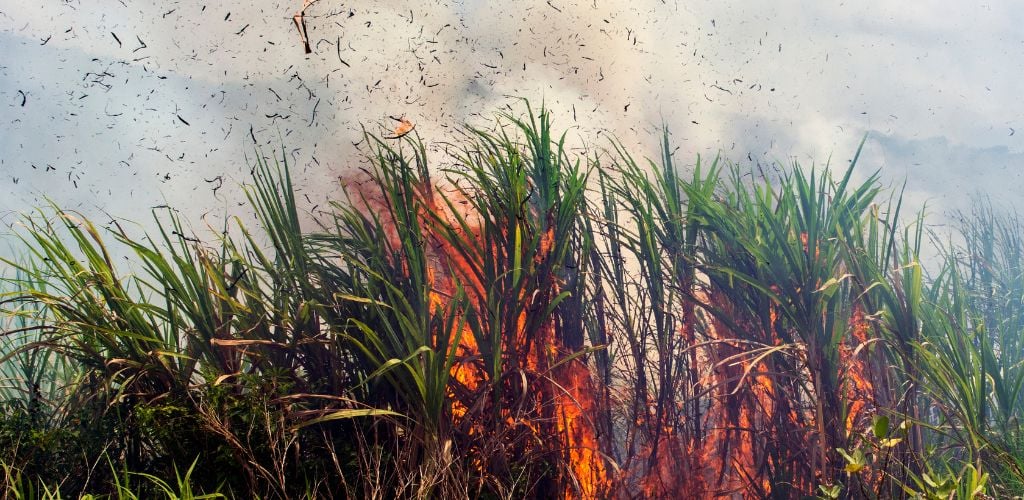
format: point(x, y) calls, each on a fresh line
point(576, 409)
point(859, 388)
point(755, 416)
point(563, 389)
point(727, 458)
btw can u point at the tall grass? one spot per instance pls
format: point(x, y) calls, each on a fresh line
point(527, 321)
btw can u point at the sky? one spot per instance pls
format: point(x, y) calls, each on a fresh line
point(113, 107)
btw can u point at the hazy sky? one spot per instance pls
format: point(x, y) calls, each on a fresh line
point(118, 106)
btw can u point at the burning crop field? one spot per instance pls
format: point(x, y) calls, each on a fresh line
point(501, 250)
point(527, 321)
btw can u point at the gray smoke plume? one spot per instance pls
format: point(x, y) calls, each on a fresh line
point(120, 106)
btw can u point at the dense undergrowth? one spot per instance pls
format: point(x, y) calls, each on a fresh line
point(525, 322)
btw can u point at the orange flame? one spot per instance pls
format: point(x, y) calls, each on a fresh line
point(726, 451)
point(562, 389)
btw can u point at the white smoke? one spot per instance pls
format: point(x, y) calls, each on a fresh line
point(119, 106)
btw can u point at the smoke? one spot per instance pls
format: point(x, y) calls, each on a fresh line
point(119, 107)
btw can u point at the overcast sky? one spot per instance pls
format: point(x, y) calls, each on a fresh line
point(117, 106)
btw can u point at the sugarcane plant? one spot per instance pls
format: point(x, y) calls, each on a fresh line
point(512, 317)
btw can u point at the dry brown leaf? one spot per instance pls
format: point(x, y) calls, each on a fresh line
point(404, 127)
